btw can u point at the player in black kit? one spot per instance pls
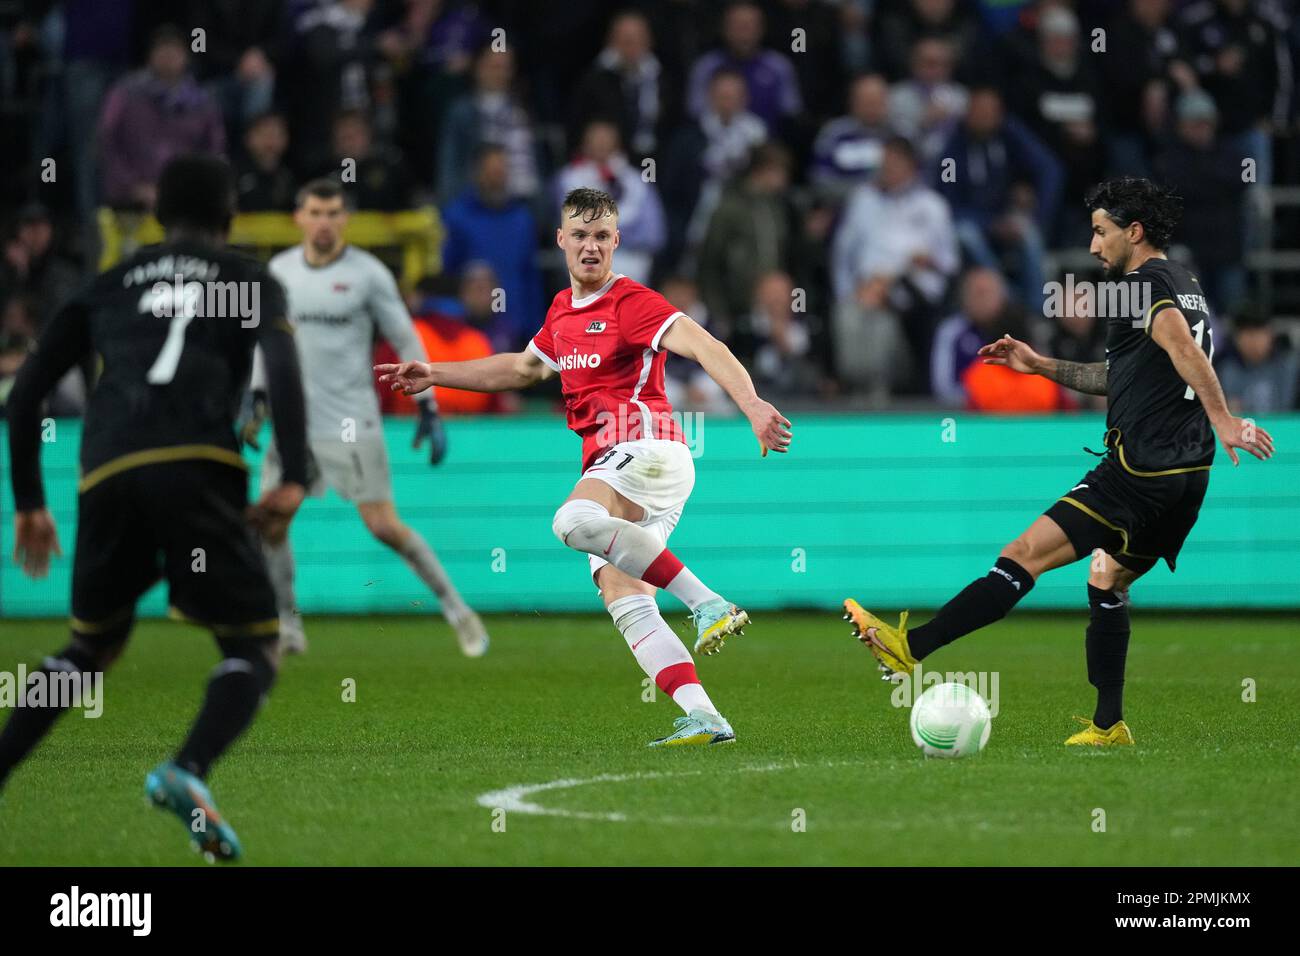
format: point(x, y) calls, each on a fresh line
point(163, 491)
point(1139, 504)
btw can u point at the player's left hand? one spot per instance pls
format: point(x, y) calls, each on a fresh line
point(271, 515)
point(35, 539)
point(1245, 434)
point(430, 427)
point(770, 427)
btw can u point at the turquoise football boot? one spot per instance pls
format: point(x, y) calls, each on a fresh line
point(698, 728)
point(168, 787)
point(715, 621)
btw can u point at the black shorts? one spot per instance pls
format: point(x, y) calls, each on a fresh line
point(179, 520)
point(1136, 520)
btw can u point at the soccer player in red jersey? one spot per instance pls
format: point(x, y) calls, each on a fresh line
point(606, 337)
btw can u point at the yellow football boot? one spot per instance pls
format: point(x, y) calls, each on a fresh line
point(1094, 736)
point(888, 644)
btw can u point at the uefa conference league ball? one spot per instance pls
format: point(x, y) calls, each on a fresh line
point(950, 720)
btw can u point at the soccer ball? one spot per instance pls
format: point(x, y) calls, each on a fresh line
point(950, 720)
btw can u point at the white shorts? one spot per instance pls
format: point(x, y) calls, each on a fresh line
point(357, 471)
point(656, 473)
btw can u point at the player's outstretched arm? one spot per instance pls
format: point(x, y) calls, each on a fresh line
point(1170, 331)
point(504, 372)
point(63, 344)
point(687, 338)
point(1087, 377)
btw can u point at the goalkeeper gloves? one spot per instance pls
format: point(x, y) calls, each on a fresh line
point(253, 411)
point(430, 427)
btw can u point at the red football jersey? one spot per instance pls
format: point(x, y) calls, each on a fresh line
point(606, 348)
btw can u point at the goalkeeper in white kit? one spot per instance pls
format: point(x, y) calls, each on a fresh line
point(339, 296)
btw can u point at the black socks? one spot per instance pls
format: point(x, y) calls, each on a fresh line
point(980, 603)
point(1107, 648)
point(27, 725)
point(235, 691)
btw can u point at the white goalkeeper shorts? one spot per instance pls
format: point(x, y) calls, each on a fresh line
point(655, 473)
point(357, 471)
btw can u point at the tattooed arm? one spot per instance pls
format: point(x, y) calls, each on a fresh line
point(1089, 377)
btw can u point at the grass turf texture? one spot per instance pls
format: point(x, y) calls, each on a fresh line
point(393, 778)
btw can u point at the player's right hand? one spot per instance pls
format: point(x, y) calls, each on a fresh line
point(409, 378)
point(271, 515)
point(35, 539)
point(1013, 353)
point(770, 427)
point(1245, 434)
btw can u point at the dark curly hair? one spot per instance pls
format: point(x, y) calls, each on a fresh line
point(1129, 199)
point(589, 205)
point(196, 191)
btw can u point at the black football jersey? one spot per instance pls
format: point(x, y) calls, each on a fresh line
point(174, 328)
point(1155, 422)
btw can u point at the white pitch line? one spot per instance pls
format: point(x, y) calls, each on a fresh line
point(515, 799)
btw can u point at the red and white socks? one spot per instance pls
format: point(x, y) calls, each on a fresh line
point(659, 651)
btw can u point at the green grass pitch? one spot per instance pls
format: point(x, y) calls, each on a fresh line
point(396, 776)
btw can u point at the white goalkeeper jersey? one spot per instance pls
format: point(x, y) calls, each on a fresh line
point(336, 311)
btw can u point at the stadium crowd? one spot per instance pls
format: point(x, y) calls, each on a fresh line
point(853, 194)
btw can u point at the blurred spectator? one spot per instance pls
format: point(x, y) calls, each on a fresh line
point(1059, 95)
point(151, 116)
point(892, 259)
point(96, 48)
point(996, 388)
point(1141, 62)
point(491, 113)
point(752, 231)
point(327, 54)
point(782, 346)
point(447, 337)
point(18, 335)
point(13, 352)
point(925, 106)
point(478, 300)
point(486, 223)
point(703, 156)
point(986, 313)
point(240, 38)
point(1207, 175)
point(627, 85)
point(855, 41)
point(769, 76)
point(1260, 371)
point(1241, 58)
point(601, 164)
point(903, 23)
point(429, 45)
point(848, 150)
point(475, 297)
point(1001, 16)
point(382, 179)
point(1077, 336)
point(819, 70)
point(688, 386)
point(33, 268)
point(265, 184)
point(1004, 191)
point(17, 318)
